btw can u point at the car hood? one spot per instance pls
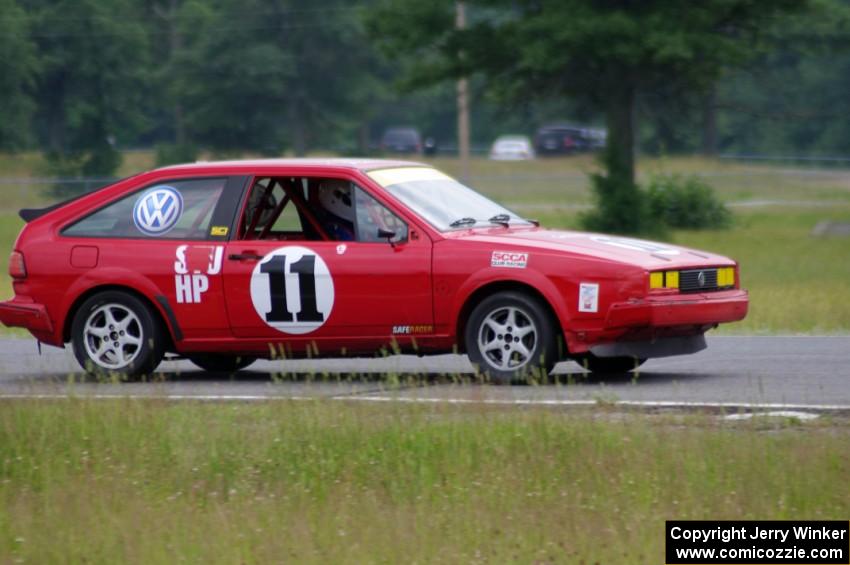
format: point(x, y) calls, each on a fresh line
point(649, 255)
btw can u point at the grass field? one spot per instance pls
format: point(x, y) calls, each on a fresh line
point(798, 283)
point(328, 482)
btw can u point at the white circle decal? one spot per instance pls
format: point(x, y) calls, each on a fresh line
point(158, 210)
point(292, 290)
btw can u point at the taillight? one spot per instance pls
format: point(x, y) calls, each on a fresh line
point(17, 266)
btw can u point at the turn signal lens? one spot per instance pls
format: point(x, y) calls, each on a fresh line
point(17, 266)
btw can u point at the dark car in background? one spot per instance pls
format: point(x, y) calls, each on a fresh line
point(565, 139)
point(404, 140)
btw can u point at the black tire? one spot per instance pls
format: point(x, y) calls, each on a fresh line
point(518, 358)
point(115, 333)
point(610, 365)
point(221, 363)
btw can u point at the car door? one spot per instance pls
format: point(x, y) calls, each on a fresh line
point(312, 284)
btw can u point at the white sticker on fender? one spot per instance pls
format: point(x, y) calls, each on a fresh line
point(588, 297)
point(292, 290)
point(510, 259)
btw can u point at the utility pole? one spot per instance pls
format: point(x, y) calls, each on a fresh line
point(462, 103)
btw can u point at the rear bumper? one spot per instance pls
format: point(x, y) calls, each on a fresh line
point(17, 313)
point(703, 309)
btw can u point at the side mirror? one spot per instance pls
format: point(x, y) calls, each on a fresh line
point(387, 234)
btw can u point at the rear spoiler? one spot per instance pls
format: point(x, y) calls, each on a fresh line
point(30, 214)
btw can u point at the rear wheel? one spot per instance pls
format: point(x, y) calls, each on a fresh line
point(610, 365)
point(511, 337)
point(220, 363)
point(114, 332)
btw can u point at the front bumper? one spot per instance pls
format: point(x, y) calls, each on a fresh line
point(658, 326)
point(20, 313)
point(703, 309)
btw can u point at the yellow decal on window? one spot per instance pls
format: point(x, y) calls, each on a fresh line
point(219, 230)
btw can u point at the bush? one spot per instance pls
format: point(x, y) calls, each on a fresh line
point(621, 209)
point(686, 202)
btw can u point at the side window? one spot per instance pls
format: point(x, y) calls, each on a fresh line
point(170, 210)
point(316, 209)
point(271, 213)
point(349, 213)
point(375, 221)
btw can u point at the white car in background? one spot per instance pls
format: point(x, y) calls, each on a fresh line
point(512, 148)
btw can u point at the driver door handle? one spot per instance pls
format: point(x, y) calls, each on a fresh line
point(247, 256)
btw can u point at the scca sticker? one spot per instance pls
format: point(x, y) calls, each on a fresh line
point(158, 210)
point(509, 259)
point(292, 290)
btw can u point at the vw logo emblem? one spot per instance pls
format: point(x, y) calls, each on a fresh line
point(158, 210)
point(701, 279)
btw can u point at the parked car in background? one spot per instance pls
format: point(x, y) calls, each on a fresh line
point(430, 147)
point(404, 140)
point(565, 139)
point(223, 263)
point(511, 148)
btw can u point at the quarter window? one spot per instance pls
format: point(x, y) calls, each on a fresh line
point(168, 210)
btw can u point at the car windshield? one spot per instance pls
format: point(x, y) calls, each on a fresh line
point(442, 201)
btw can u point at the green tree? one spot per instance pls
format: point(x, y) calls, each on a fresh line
point(93, 56)
point(607, 52)
point(18, 67)
point(265, 75)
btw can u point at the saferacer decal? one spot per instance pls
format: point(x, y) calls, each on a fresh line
point(413, 330)
point(510, 259)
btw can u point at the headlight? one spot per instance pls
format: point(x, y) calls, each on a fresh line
point(726, 277)
point(664, 279)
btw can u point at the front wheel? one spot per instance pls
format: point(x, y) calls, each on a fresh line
point(221, 363)
point(116, 333)
point(511, 337)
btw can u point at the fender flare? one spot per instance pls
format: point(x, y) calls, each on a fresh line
point(115, 278)
point(534, 280)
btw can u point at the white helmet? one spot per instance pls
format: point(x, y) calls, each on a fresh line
point(335, 197)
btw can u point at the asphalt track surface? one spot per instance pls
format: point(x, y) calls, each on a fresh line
point(795, 372)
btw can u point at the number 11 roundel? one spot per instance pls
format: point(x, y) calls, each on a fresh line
point(292, 290)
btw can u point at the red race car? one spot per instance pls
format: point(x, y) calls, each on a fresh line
point(227, 262)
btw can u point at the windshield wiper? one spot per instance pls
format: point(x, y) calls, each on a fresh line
point(502, 219)
point(463, 222)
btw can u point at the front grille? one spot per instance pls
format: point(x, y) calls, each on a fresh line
point(698, 280)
